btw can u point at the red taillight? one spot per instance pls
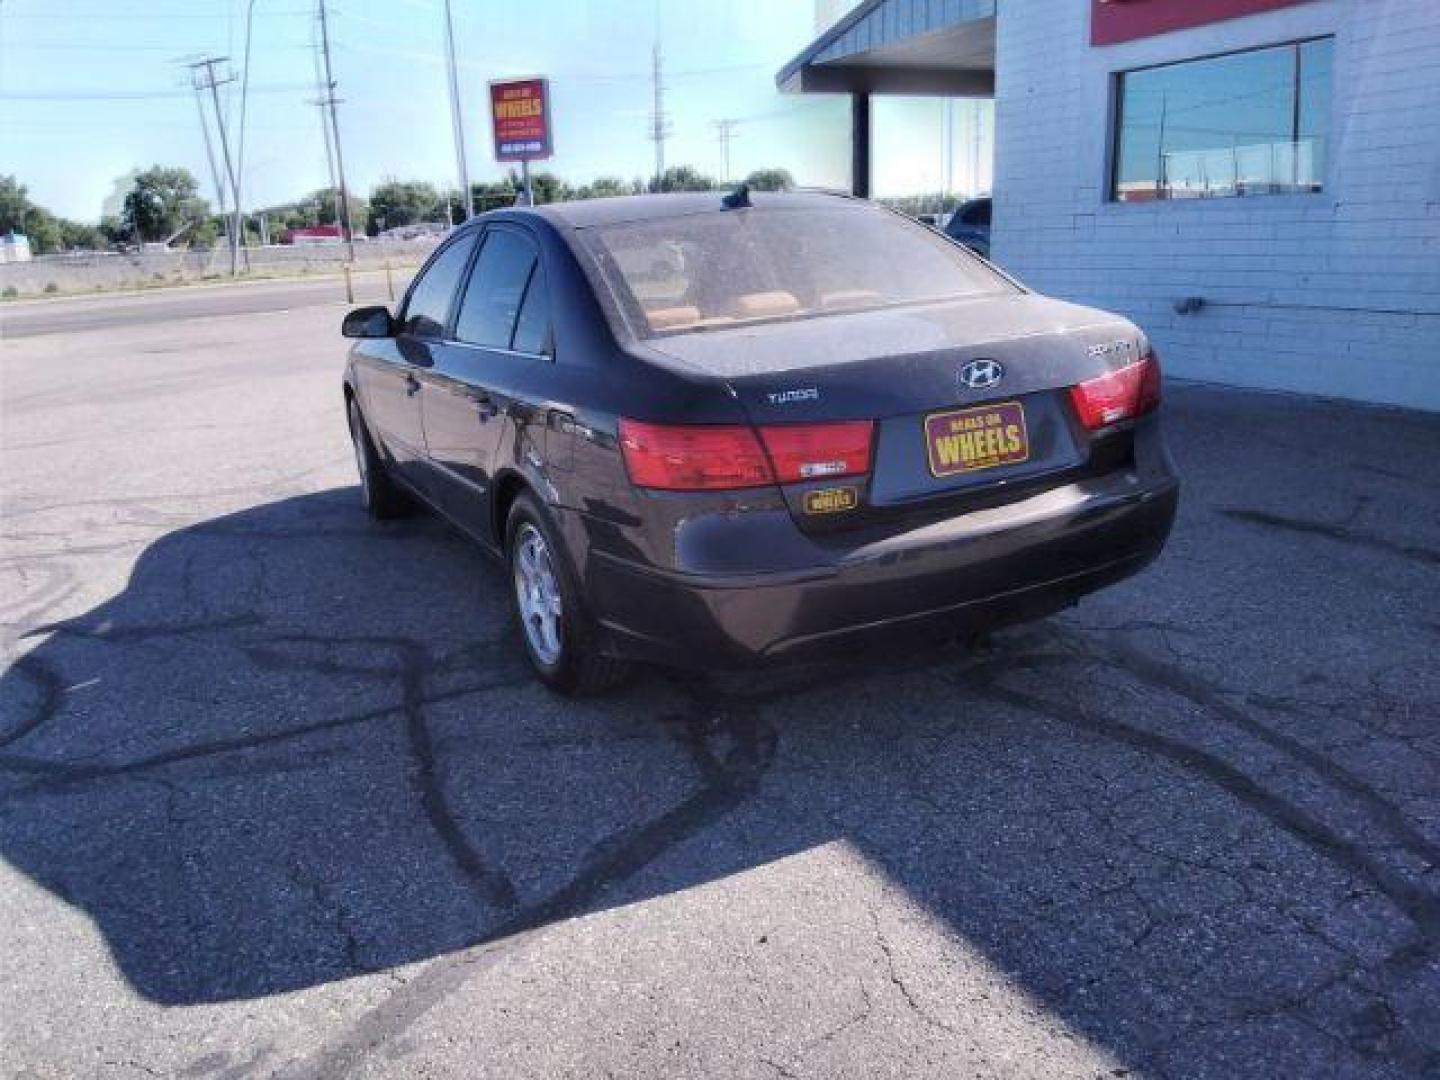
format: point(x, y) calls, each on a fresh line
point(718, 457)
point(695, 457)
point(1118, 395)
point(818, 451)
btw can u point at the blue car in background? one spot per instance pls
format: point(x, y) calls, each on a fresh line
point(970, 225)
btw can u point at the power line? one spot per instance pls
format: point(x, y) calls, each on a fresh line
point(502, 67)
point(108, 125)
point(77, 46)
point(129, 95)
point(137, 16)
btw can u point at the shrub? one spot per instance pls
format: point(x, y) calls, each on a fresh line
point(10, 292)
point(51, 287)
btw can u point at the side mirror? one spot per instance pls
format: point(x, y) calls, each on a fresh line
point(368, 322)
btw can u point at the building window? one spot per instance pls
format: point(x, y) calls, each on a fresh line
point(1247, 123)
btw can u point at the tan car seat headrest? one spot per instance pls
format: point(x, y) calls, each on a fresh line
point(757, 305)
point(671, 318)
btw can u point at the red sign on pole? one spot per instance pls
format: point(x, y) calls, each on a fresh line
point(520, 112)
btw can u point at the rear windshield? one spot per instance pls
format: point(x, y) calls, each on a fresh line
point(713, 270)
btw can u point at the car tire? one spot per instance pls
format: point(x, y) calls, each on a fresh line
point(559, 637)
point(381, 496)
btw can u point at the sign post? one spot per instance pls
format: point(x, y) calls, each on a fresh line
point(520, 117)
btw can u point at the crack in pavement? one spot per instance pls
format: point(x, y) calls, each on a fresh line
point(413, 664)
point(1340, 533)
point(727, 782)
point(1418, 905)
point(899, 983)
point(1382, 813)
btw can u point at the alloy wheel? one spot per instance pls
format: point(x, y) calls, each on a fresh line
point(537, 594)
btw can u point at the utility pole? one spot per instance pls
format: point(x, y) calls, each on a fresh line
point(659, 119)
point(724, 132)
point(331, 101)
point(240, 138)
point(210, 81)
point(319, 102)
point(210, 155)
point(456, 121)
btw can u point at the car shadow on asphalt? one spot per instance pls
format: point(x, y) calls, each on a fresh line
point(300, 747)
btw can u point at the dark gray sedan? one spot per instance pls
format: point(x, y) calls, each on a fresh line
point(709, 432)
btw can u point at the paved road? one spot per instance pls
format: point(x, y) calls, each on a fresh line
point(69, 315)
point(278, 798)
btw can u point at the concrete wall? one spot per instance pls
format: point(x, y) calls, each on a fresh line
point(1334, 293)
point(83, 273)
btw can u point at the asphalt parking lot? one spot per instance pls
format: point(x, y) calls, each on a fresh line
point(277, 796)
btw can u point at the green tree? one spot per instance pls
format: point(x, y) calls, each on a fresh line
point(114, 230)
point(77, 235)
point(604, 187)
point(113, 205)
point(394, 203)
point(491, 196)
point(164, 203)
point(683, 178)
point(14, 205)
point(44, 230)
point(204, 233)
point(452, 206)
point(550, 188)
point(320, 206)
point(770, 180)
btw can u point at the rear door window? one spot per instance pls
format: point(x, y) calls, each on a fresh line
point(532, 328)
point(427, 311)
point(497, 287)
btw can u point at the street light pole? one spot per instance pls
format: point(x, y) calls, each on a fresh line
point(456, 119)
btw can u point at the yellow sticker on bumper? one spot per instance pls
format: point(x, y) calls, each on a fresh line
point(831, 500)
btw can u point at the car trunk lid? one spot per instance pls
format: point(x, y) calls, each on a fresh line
point(939, 443)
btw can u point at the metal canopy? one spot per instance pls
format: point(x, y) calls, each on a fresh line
point(927, 47)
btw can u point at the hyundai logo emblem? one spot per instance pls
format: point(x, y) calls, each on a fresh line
point(979, 374)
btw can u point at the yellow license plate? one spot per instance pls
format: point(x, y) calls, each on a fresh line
point(967, 440)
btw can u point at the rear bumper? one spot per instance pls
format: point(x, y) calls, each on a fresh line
point(1011, 563)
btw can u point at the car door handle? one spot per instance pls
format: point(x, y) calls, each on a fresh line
point(487, 409)
point(412, 385)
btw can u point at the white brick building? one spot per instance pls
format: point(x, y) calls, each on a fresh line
point(1157, 157)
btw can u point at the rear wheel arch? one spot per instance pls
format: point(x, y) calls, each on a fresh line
point(508, 487)
point(581, 667)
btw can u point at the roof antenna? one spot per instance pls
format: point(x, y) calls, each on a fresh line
point(737, 199)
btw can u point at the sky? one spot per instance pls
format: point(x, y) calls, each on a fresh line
point(92, 89)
